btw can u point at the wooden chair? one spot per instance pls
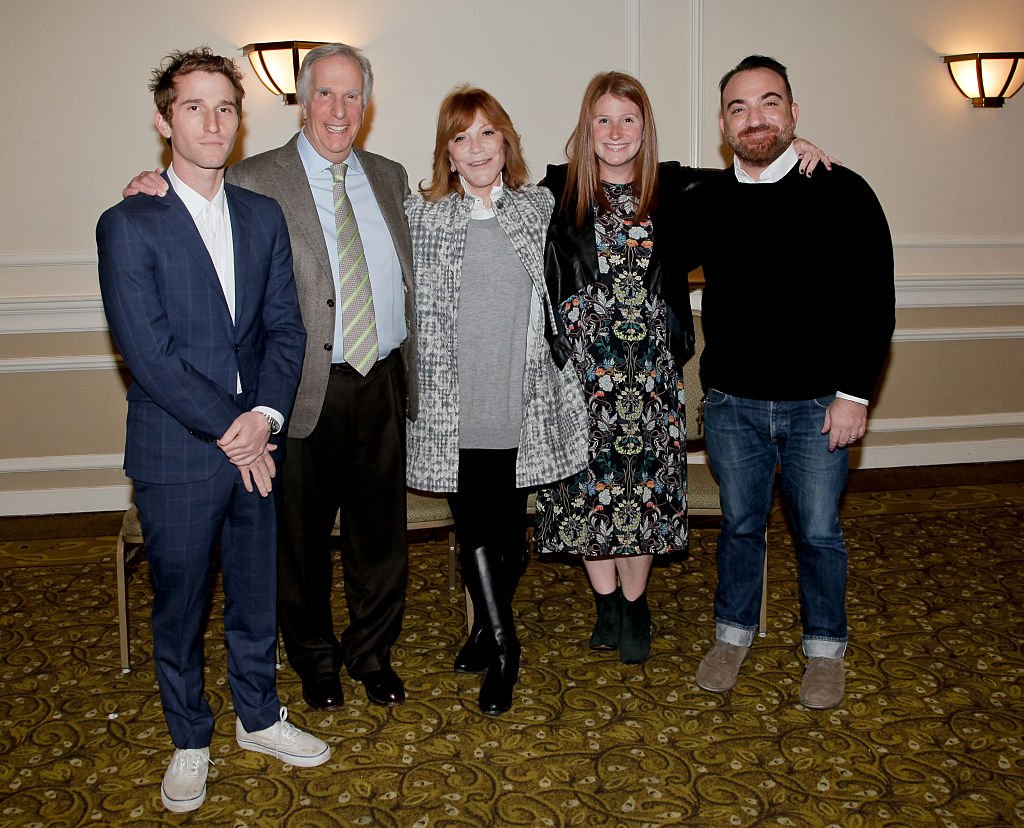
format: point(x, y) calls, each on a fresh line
point(702, 490)
point(424, 512)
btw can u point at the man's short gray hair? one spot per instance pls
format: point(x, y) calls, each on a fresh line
point(326, 51)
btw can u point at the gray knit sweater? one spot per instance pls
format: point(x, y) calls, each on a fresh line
point(553, 434)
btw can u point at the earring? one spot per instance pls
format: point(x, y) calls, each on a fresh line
point(452, 166)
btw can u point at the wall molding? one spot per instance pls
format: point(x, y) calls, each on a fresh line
point(1002, 419)
point(64, 314)
point(633, 44)
point(958, 334)
point(117, 498)
point(959, 290)
point(905, 240)
point(61, 463)
point(696, 82)
point(60, 364)
point(917, 454)
point(946, 291)
point(82, 314)
point(66, 501)
point(48, 258)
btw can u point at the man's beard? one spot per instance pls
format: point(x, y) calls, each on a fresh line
point(768, 143)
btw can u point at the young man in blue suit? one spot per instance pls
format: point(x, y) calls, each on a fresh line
point(199, 293)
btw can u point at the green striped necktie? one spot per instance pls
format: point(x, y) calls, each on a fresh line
point(359, 327)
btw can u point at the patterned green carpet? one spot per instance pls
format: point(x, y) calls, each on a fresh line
point(931, 731)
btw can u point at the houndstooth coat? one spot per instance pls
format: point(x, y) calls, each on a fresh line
point(553, 441)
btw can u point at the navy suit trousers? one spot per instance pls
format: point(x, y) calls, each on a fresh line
point(183, 524)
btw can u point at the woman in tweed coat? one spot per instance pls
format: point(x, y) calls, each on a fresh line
point(496, 415)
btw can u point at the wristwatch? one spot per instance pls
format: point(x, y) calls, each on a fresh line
point(274, 425)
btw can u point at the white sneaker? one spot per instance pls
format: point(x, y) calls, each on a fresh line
point(184, 785)
point(284, 741)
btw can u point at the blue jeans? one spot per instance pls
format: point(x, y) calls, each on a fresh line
point(746, 439)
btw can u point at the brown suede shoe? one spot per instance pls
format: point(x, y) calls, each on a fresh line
point(719, 668)
point(823, 684)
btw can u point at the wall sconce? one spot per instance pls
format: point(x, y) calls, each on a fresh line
point(277, 64)
point(987, 78)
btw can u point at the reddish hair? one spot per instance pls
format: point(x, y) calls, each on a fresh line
point(583, 184)
point(457, 113)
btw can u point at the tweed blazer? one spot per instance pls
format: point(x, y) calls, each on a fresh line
point(553, 441)
point(279, 174)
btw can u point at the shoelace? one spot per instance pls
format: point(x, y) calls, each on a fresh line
point(188, 762)
point(287, 732)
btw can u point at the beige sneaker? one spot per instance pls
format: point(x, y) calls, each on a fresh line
point(184, 785)
point(284, 741)
point(823, 684)
point(719, 668)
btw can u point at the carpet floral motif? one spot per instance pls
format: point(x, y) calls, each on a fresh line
point(931, 731)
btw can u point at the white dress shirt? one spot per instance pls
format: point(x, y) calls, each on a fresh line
point(213, 220)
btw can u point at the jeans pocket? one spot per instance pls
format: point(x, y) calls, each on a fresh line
point(825, 402)
point(714, 397)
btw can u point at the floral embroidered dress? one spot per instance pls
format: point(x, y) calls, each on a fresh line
point(631, 498)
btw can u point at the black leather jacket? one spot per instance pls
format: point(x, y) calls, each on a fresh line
point(570, 255)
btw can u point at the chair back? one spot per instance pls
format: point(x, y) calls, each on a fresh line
point(702, 490)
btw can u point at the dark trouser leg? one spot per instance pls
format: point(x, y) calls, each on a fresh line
point(309, 497)
point(182, 524)
point(181, 530)
point(374, 554)
point(355, 458)
point(248, 545)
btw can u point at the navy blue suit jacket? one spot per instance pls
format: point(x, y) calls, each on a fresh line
point(171, 323)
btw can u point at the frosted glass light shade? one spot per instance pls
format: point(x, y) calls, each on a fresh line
point(987, 78)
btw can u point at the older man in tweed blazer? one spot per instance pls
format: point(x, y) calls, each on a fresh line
point(345, 445)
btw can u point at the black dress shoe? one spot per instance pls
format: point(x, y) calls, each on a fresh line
point(384, 687)
point(323, 692)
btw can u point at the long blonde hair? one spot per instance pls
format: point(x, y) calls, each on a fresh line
point(583, 184)
point(458, 111)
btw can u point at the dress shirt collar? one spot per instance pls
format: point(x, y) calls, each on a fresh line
point(315, 164)
point(193, 201)
point(479, 211)
point(775, 171)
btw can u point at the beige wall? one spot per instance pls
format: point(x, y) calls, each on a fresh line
point(867, 75)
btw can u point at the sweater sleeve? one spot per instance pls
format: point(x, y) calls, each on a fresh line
point(869, 310)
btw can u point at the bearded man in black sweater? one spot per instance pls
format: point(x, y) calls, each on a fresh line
point(798, 312)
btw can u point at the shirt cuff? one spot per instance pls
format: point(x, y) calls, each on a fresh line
point(272, 412)
point(851, 398)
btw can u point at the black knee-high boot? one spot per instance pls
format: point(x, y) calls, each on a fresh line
point(479, 650)
point(496, 605)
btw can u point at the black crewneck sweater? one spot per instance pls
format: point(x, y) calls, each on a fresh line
point(799, 300)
